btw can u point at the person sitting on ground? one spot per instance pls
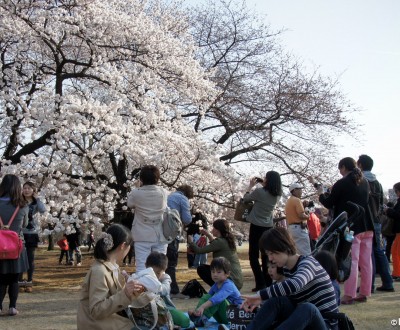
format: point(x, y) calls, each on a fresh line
point(104, 292)
point(328, 261)
point(300, 300)
point(222, 244)
point(222, 294)
point(159, 261)
point(275, 272)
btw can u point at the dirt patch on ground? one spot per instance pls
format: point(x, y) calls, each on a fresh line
point(53, 302)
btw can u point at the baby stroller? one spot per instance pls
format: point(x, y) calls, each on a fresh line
point(333, 239)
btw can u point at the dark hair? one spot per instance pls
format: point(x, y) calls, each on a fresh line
point(222, 226)
point(221, 263)
point(350, 165)
point(187, 190)
point(11, 186)
point(279, 270)
point(33, 186)
point(366, 162)
point(396, 186)
point(277, 240)
point(273, 183)
point(149, 174)
point(328, 261)
point(119, 234)
point(157, 259)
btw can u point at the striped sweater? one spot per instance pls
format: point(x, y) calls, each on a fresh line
point(307, 281)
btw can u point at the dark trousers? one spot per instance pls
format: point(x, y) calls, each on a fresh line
point(30, 252)
point(389, 243)
point(10, 281)
point(260, 272)
point(282, 313)
point(204, 272)
point(173, 255)
point(62, 253)
point(380, 263)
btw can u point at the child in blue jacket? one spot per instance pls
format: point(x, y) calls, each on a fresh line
point(222, 294)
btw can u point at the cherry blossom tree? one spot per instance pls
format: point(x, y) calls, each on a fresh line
point(270, 111)
point(93, 90)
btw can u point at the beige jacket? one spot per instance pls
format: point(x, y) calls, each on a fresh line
point(149, 203)
point(102, 296)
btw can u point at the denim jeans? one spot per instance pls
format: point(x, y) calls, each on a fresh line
point(379, 261)
point(282, 313)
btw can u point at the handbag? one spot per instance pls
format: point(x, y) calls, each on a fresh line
point(242, 210)
point(387, 226)
point(11, 244)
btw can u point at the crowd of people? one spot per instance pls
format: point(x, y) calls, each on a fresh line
point(290, 283)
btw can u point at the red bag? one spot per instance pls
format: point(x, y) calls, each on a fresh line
point(314, 226)
point(11, 244)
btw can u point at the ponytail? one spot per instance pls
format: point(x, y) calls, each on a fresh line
point(114, 236)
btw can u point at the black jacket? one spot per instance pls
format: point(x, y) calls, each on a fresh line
point(345, 190)
point(394, 213)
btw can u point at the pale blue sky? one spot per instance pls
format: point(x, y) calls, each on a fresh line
point(358, 40)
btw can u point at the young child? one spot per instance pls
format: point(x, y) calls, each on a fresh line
point(159, 262)
point(222, 294)
point(275, 272)
point(63, 244)
point(104, 292)
point(328, 261)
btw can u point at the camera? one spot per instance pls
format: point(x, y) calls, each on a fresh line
point(259, 180)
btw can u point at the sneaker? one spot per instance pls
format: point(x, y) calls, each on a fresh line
point(12, 311)
point(22, 283)
point(79, 264)
point(360, 298)
point(179, 296)
point(222, 327)
point(382, 288)
point(199, 321)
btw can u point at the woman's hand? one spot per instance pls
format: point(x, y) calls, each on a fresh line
point(133, 289)
point(251, 302)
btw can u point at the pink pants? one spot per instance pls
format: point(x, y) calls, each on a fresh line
point(361, 250)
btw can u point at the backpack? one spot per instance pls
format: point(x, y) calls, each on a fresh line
point(193, 289)
point(11, 244)
point(344, 322)
point(172, 224)
point(314, 226)
point(153, 316)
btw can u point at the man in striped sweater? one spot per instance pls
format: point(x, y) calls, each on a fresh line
point(300, 301)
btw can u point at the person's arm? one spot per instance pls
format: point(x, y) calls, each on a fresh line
point(215, 245)
point(305, 273)
point(250, 195)
point(186, 215)
point(301, 214)
point(101, 304)
point(40, 207)
point(393, 213)
point(329, 200)
point(165, 280)
point(131, 199)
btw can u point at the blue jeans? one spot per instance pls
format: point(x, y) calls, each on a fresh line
point(282, 313)
point(380, 263)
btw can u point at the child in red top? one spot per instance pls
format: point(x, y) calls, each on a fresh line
point(63, 244)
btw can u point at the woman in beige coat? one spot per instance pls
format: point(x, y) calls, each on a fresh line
point(104, 291)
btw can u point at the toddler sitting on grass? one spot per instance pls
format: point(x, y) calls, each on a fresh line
point(222, 294)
